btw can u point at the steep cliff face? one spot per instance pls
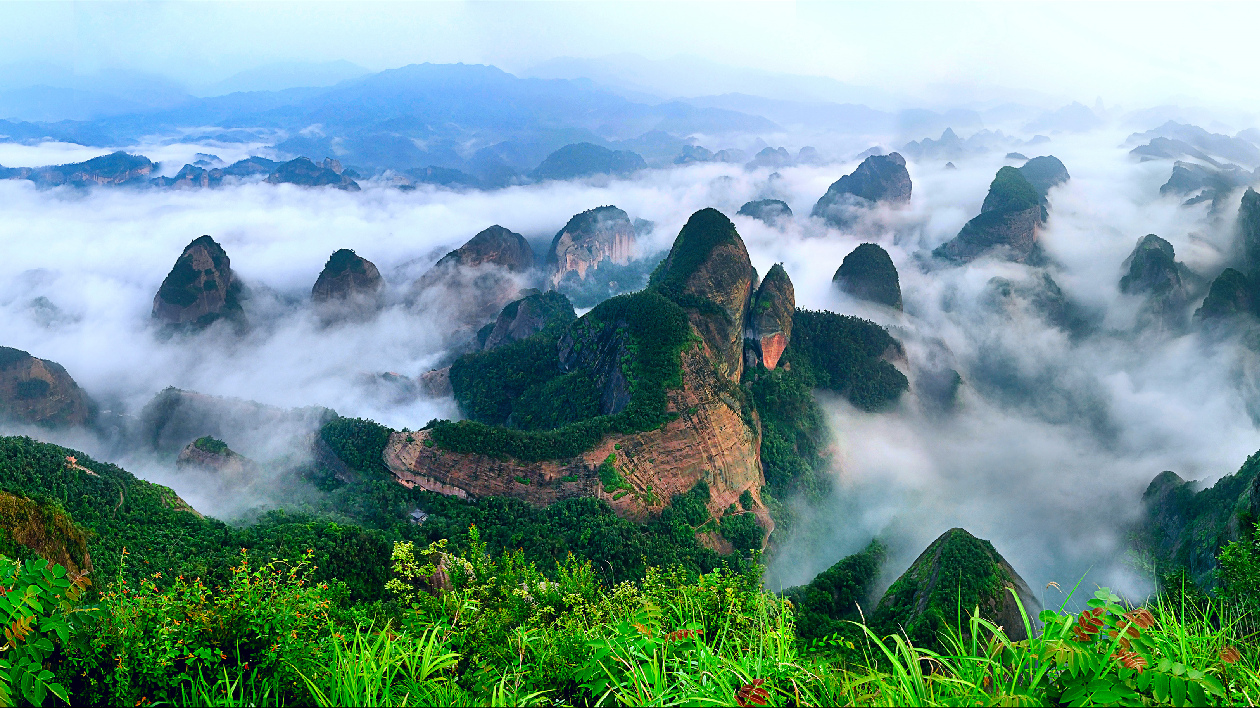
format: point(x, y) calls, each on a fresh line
point(708, 273)
point(1008, 224)
point(879, 179)
point(200, 289)
point(347, 275)
point(770, 319)
point(475, 281)
point(348, 283)
point(708, 440)
point(957, 570)
point(868, 273)
point(587, 240)
point(37, 391)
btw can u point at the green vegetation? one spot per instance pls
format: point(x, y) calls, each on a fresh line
point(1010, 191)
point(343, 260)
point(358, 442)
point(794, 433)
point(609, 477)
point(868, 273)
point(843, 354)
point(491, 385)
point(704, 231)
point(1231, 293)
point(829, 604)
point(957, 570)
point(211, 445)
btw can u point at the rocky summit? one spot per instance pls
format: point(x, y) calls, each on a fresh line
point(473, 282)
point(1249, 231)
point(594, 236)
point(879, 179)
point(200, 288)
point(771, 211)
point(1230, 294)
point(957, 571)
point(1043, 173)
point(770, 318)
point(1008, 224)
point(39, 392)
point(708, 273)
point(347, 276)
point(868, 273)
point(1154, 273)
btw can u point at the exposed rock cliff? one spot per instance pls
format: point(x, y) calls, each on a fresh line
point(708, 441)
point(771, 211)
point(213, 455)
point(868, 273)
point(40, 392)
point(113, 169)
point(589, 238)
point(495, 246)
point(1007, 226)
point(476, 280)
point(200, 289)
point(348, 281)
point(880, 178)
point(770, 319)
point(709, 274)
point(957, 570)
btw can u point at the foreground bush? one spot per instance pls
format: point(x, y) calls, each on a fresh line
point(472, 628)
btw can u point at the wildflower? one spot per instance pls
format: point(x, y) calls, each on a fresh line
point(751, 693)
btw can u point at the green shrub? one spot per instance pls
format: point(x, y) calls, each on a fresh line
point(211, 445)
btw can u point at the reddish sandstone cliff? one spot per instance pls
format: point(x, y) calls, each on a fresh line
point(709, 440)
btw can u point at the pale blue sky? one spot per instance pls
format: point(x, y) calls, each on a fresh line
point(1129, 52)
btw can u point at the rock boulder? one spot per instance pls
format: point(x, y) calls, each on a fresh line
point(1009, 222)
point(200, 289)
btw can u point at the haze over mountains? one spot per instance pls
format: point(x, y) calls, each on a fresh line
point(378, 223)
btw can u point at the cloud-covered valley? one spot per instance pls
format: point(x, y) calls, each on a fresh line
point(1057, 428)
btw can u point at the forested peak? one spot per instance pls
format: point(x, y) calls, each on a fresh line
point(1010, 191)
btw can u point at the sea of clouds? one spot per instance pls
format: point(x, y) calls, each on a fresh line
point(1046, 452)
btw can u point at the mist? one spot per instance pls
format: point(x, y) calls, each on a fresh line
point(1054, 434)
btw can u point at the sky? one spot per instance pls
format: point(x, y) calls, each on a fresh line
point(1129, 52)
